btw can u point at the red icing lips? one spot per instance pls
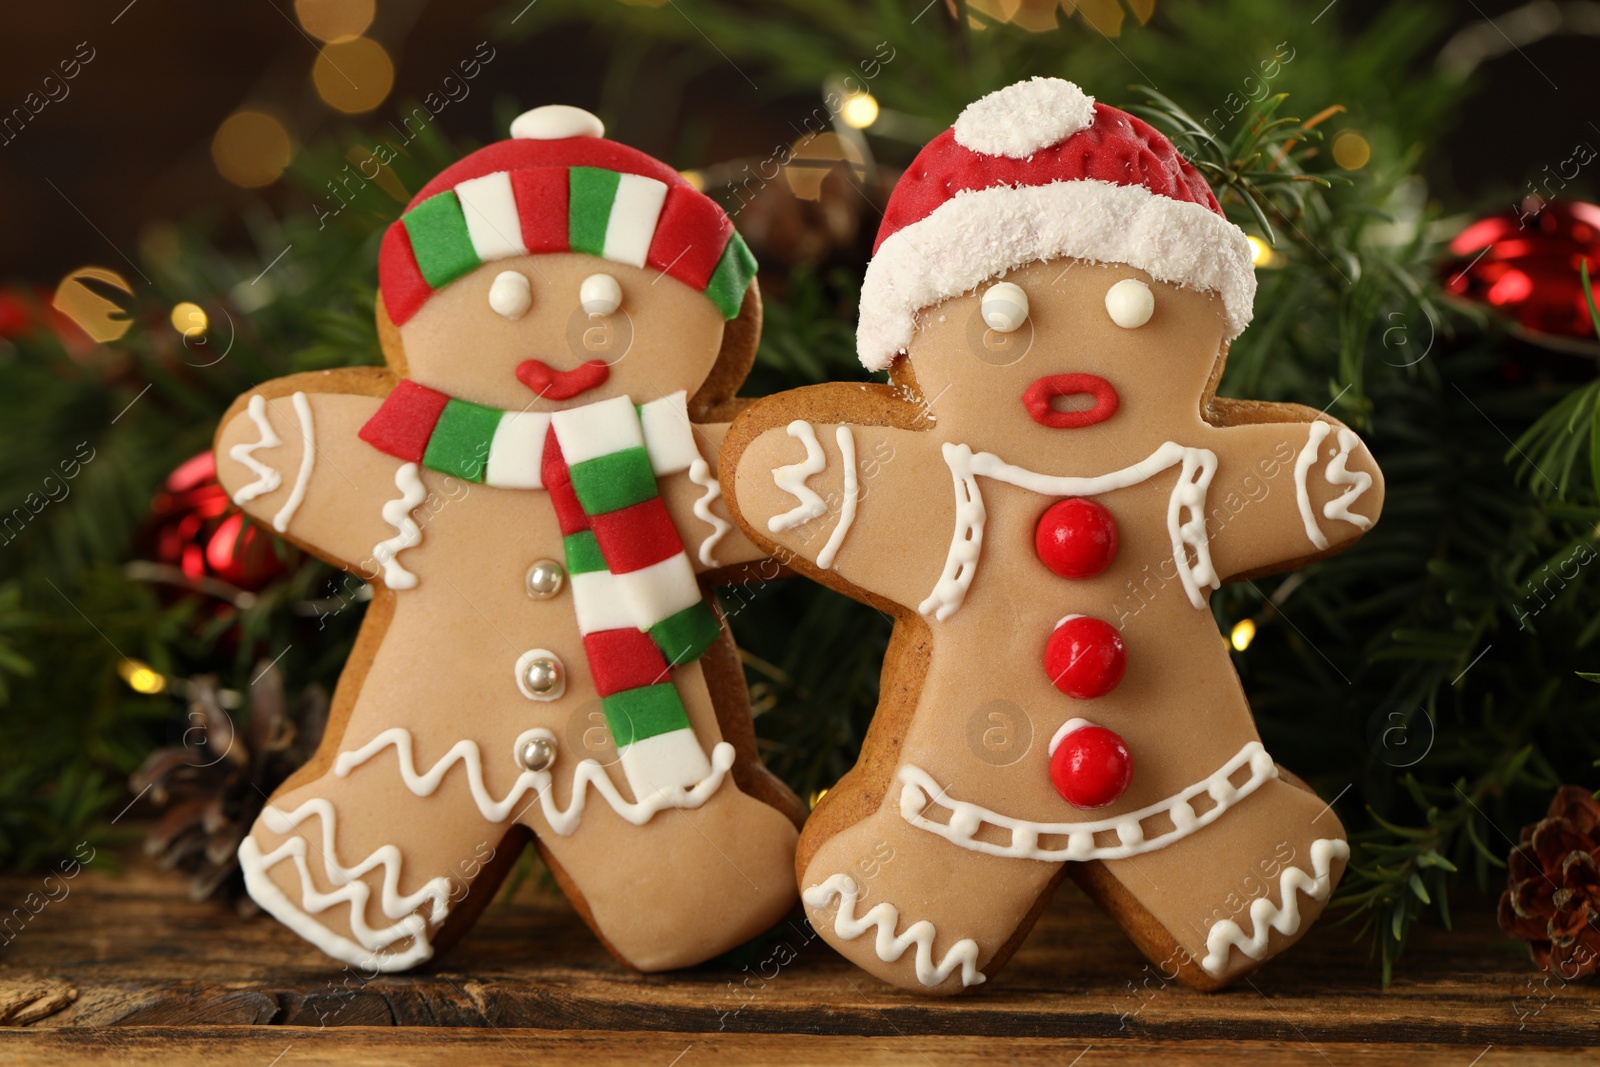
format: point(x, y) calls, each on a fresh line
point(1040, 393)
point(552, 384)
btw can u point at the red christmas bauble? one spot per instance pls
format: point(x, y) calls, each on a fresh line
point(1091, 767)
point(195, 527)
point(1525, 263)
point(1076, 538)
point(1085, 657)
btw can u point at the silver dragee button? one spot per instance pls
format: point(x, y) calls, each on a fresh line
point(545, 579)
point(540, 674)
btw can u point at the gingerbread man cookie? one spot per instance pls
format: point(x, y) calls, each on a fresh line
point(1044, 496)
point(530, 487)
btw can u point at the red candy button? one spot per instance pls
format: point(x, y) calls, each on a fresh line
point(1091, 767)
point(1076, 538)
point(1085, 657)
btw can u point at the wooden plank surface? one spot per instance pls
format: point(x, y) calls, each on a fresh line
point(125, 969)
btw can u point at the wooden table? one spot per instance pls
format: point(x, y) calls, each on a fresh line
point(125, 970)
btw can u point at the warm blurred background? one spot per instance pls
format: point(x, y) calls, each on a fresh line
point(184, 217)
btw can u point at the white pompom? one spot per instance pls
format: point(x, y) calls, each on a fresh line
point(511, 295)
point(1004, 307)
point(1020, 119)
point(1130, 303)
point(600, 295)
point(554, 122)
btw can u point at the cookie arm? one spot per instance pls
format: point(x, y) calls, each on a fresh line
point(288, 454)
point(867, 509)
point(1288, 492)
point(694, 500)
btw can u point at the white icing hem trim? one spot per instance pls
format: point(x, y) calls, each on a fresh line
point(1302, 494)
point(1265, 916)
point(1020, 119)
point(267, 478)
point(368, 949)
point(792, 480)
point(585, 773)
point(920, 790)
point(397, 513)
point(308, 444)
point(852, 494)
point(1198, 466)
point(980, 233)
point(885, 917)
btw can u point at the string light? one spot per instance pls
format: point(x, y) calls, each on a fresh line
point(1261, 253)
point(816, 798)
point(141, 677)
point(353, 76)
point(1351, 150)
point(251, 149)
point(189, 319)
point(1244, 632)
point(860, 110)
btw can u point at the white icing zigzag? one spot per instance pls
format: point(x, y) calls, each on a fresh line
point(852, 494)
point(885, 917)
point(700, 474)
point(1197, 467)
point(792, 480)
point(967, 818)
point(267, 479)
point(351, 890)
point(308, 445)
point(1302, 495)
point(1265, 916)
point(585, 774)
point(397, 513)
point(1359, 482)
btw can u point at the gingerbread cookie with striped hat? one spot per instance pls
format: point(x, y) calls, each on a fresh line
point(530, 487)
point(1044, 497)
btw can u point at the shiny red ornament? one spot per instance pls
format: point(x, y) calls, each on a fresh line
point(1076, 538)
point(1525, 264)
point(1091, 767)
point(1085, 657)
point(194, 527)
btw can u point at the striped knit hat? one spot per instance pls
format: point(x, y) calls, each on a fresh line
point(559, 186)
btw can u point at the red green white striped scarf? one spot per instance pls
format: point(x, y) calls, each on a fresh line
point(634, 590)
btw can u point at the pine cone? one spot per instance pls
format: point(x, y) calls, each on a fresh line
point(212, 787)
point(1552, 899)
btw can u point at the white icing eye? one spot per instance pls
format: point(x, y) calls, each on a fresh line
point(511, 295)
point(600, 295)
point(1004, 307)
point(1130, 303)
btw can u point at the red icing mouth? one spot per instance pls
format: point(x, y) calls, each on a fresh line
point(1040, 393)
point(552, 384)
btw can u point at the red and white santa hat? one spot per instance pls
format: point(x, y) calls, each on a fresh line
point(1038, 171)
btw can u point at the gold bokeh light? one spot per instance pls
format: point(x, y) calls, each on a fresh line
point(251, 149)
point(335, 21)
point(354, 76)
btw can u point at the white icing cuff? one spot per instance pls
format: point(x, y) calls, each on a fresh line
point(983, 232)
point(1265, 916)
point(884, 917)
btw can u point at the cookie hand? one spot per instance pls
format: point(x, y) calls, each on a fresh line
point(1289, 491)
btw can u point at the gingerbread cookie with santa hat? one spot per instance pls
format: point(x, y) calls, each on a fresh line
point(1044, 497)
point(530, 488)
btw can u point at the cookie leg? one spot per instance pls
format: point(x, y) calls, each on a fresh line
point(913, 909)
point(683, 886)
point(369, 871)
point(1216, 905)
